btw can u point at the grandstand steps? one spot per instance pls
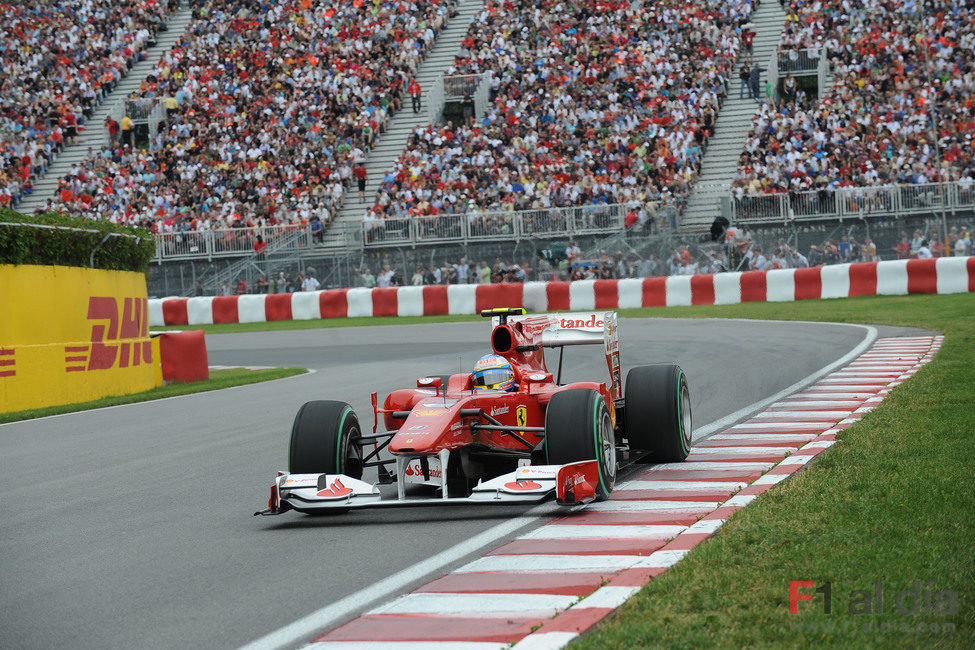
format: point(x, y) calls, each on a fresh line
point(720, 163)
point(390, 145)
point(95, 134)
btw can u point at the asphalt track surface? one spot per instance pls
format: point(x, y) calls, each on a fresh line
point(132, 527)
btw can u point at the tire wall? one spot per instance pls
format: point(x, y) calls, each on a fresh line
point(72, 334)
point(898, 277)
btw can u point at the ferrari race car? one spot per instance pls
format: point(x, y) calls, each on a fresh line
point(476, 438)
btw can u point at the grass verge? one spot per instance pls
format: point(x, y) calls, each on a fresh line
point(893, 503)
point(218, 379)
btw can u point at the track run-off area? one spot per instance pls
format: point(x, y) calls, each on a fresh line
point(131, 526)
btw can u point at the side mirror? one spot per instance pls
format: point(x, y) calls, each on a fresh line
point(430, 382)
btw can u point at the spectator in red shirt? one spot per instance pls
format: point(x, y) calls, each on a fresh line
point(360, 174)
point(415, 92)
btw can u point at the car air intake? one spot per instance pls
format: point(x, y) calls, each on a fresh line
point(502, 339)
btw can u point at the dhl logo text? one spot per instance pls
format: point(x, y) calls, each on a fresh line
point(7, 362)
point(112, 334)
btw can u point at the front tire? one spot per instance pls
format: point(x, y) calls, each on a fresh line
point(657, 412)
point(323, 440)
point(578, 426)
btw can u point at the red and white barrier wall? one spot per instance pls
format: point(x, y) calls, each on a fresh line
point(894, 278)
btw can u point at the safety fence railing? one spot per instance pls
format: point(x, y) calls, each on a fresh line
point(227, 242)
point(488, 226)
point(798, 61)
point(461, 85)
point(853, 202)
point(475, 86)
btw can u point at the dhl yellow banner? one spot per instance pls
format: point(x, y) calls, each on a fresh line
point(71, 335)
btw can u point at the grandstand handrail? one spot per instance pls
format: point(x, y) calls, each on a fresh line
point(851, 202)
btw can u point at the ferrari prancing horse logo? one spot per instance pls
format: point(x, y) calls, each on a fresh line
point(521, 415)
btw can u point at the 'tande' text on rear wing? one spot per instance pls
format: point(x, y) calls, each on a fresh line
point(577, 328)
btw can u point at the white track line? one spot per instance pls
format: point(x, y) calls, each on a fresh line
point(358, 601)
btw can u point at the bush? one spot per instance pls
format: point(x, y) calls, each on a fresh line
point(50, 246)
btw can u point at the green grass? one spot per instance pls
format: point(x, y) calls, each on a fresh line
point(893, 502)
point(218, 379)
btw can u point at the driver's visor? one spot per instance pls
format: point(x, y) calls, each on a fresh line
point(487, 378)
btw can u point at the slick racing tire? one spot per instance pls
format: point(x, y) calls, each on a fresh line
point(323, 440)
point(657, 412)
point(578, 426)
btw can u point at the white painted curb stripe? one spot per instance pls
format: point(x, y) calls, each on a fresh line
point(693, 486)
point(607, 597)
point(404, 645)
point(545, 641)
point(660, 560)
point(741, 451)
point(489, 604)
point(768, 437)
point(812, 415)
point(776, 426)
point(575, 563)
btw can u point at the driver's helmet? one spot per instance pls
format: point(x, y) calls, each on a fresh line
point(493, 372)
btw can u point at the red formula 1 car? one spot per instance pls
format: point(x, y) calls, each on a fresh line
point(476, 438)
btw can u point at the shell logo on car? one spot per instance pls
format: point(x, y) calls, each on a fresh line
point(429, 413)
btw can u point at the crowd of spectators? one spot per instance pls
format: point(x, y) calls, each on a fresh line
point(271, 107)
point(59, 59)
point(593, 102)
point(901, 111)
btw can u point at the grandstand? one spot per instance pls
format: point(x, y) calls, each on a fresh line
point(621, 126)
point(112, 49)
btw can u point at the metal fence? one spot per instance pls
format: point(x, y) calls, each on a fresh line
point(853, 202)
point(799, 62)
point(481, 226)
point(461, 85)
point(229, 242)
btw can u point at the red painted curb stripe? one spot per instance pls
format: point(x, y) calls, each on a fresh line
point(672, 495)
point(400, 627)
point(732, 457)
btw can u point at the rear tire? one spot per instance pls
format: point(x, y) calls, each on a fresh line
point(578, 426)
point(323, 440)
point(657, 412)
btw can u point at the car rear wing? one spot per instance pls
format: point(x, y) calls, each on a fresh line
point(573, 328)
